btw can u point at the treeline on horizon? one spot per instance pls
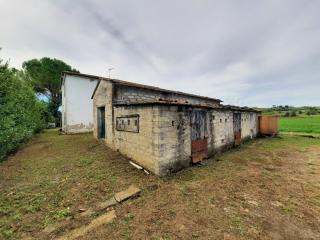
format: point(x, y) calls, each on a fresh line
point(290, 111)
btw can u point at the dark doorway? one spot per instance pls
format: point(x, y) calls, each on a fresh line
point(101, 122)
point(237, 128)
point(199, 141)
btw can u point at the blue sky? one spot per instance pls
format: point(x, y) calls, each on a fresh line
point(254, 53)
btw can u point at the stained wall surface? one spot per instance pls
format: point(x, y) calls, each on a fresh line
point(77, 105)
point(127, 94)
point(158, 137)
point(139, 142)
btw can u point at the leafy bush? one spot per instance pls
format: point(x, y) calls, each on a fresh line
point(21, 114)
point(287, 114)
point(45, 75)
point(312, 111)
point(293, 114)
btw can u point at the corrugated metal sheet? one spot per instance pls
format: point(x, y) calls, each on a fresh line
point(269, 125)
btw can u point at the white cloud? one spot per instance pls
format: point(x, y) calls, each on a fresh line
point(244, 52)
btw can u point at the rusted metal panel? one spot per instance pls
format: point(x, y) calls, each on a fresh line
point(199, 141)
point(237, 138)
point(198, 124)
point(237, 128)
point(199, 145)
point(269, 125)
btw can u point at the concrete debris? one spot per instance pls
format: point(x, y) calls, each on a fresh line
point(136, 165)
point(132, 191)
point(139, 167)
point(81, 231)
point(104, 205)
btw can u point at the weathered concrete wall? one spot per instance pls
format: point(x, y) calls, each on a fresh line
point(163, 142)
point(141, 146)
point(126, 94)
point(249, 125)
point(172, 134)
point(223, 132)
point(63, 106)
point(77, 104)
point(103, 98)
point(222, 125)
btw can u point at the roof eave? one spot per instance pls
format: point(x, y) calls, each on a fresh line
point(138, 85)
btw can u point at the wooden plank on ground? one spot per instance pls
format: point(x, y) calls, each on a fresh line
point(81, 231)
point(130, 192)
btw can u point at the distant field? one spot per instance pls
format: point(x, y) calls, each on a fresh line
point(307, 124)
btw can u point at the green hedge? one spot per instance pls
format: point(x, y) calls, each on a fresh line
point(20, 111)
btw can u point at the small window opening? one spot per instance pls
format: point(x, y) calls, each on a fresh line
point(220, 120)
point(172, 123)
point(128, 121)
point(225, 120)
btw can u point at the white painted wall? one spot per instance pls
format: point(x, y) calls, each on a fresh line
point(77, 105)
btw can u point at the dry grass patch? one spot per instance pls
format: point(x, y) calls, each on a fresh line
point(267, 188)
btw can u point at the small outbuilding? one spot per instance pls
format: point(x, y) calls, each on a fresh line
point(163, 130)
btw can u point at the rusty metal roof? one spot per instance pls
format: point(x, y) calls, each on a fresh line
point(137, 85)
point(165, 102)
point(237, 108)
point(187, 104)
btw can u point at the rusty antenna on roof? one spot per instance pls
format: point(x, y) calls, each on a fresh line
point(109, 71)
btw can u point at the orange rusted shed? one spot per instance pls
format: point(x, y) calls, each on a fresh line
point(269, 125)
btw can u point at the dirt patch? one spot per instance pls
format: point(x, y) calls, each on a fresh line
point(266, 189)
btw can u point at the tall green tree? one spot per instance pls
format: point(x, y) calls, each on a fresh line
point(44, 75)
point(21, 113)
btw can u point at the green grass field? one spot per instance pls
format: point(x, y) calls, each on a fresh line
point(243, 194)
point(307, 124)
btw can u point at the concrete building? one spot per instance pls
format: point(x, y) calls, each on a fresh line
point(162, 130)
point(165, 131)
point(77, 104)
